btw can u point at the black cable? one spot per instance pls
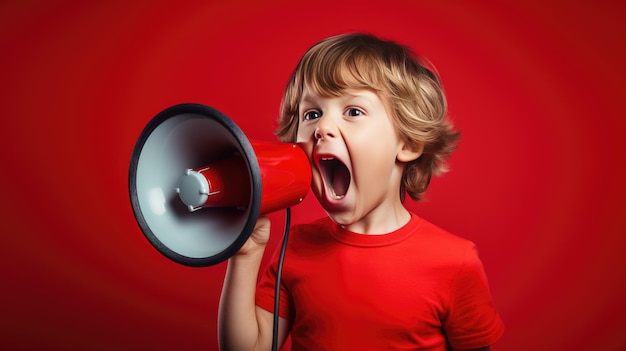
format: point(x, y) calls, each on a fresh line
point(279, 270)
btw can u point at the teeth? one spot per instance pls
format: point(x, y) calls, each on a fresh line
point(335, 176)
point(335, 196)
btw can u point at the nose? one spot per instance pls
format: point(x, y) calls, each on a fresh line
point(325, 129)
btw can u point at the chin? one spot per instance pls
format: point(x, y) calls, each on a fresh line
point(342, 213)
point(343, 219)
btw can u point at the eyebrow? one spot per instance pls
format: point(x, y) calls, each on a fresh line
point(347, 93)
point(308, 100)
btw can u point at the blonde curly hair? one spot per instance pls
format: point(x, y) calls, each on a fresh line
point(412, 93)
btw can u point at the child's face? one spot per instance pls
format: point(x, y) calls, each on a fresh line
point(354, 150)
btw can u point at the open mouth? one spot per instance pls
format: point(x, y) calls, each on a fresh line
point(336, 176)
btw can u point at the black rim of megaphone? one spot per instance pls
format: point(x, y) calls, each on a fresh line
point(248, 153)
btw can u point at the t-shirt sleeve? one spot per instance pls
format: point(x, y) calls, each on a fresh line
point(472, 320)
point(266, 290)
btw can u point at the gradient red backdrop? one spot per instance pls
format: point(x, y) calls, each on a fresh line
point(538, 182)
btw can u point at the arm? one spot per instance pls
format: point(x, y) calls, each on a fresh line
point(241, 324)
point(474, 319)
point(471, 319)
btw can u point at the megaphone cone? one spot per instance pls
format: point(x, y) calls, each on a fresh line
point(197, 184)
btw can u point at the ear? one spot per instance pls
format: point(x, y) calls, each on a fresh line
point(410, 151)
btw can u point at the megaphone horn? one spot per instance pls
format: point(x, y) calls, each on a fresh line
point(197, 184)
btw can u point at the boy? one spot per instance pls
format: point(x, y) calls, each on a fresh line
point(373, 275)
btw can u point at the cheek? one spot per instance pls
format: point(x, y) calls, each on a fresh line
point(304, 134)
point(306, 140)
point(306, 143)
point(375, 153)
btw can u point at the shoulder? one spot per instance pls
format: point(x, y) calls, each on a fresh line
point(442, 243)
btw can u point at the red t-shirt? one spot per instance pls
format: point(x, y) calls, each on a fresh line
point(417, 288)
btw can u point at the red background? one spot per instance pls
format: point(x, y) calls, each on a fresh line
point(538, 181)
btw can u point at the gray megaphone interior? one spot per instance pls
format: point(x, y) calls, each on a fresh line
point(179, 142)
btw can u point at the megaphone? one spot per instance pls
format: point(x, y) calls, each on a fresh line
point(197, 184)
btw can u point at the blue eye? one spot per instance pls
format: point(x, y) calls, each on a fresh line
point(311, 115)
point(354, 112)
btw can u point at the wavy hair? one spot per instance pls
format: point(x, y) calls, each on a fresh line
point(412, 93)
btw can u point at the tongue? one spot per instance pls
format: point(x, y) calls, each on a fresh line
point(341, 180)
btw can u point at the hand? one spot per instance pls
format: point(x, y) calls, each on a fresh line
point(258, 239)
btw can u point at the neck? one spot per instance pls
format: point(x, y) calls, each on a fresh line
point(381, 221)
